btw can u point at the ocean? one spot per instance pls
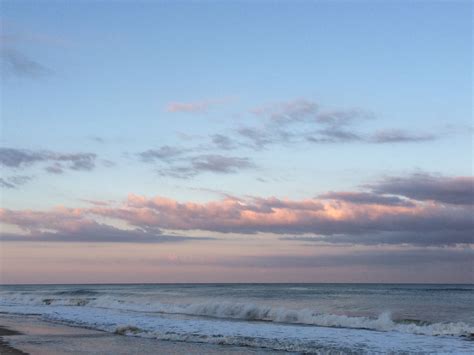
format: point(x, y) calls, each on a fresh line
point(298, 318)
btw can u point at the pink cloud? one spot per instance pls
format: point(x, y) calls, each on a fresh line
point(195, 106)
point(349, 217)
point(316, 216)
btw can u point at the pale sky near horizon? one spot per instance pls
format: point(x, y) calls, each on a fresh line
point(267, 141)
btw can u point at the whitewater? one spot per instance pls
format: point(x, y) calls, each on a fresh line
point(309, 318)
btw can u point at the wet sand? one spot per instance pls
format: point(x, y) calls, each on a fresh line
point(21, 335)
point(5, 348)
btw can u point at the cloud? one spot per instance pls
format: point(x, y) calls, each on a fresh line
point(15, 158)
point(21, 158)
point(13, 182)
point(306, 111)
point(180, 163)
point(220, 164)
point(81, 161)
point(421, 217)
point(214, 163)
point(282, 123)
point(287, 112)
point(96, 202)
point(362, 219)
point(339, 118)
point(223, 142)
point(17, 64)
point(5, 183)
point(305, 121)
point(195, 106)
point(334, 135)
point(165, 153)
point(366, 198)
point(400, 136)
point(54, 169)
point(258, 138)
point(73, 225)
point(426, 187)
point(339, 135)
point(98, 233)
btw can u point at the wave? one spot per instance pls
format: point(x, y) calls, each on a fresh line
point(287, 337)
point(78, 292)
point(250, 312)
point(308, 317)
point(435, 289)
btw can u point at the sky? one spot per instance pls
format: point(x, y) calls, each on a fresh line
point(236, 141)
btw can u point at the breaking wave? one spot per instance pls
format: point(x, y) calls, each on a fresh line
point(246, 312)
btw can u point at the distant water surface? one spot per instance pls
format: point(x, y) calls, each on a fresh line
point(292, 317)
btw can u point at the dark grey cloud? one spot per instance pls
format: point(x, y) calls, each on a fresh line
point(81, 161)
point(55, 169)
point(15, 63)
point(16, 158)
point(191, 166)
point(220, 163)
point(303, 119)
point(184, 163)
point(299, 120)
point(305, 111)
point(343, 135)
point(178, 172)
point(5, 183)
point(98, 233)
point(339, 118)
point(287, 123)
point(13, 182)
point(426, 187)
point(21, 158)
point(223, 142)
point(367, 198)
point(164, 153)
point(257, 137)
point(334, 135)
point(288, 112)
point(400, 136)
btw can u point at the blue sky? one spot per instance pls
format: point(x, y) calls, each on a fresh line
point(119, 79)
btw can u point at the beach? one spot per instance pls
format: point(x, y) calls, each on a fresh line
point(5, 347)
point(238, 318)
point(31, 335)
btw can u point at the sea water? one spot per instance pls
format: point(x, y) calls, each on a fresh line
point(311, 318)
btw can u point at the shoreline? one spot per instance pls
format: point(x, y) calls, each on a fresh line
point(31, 335)
point(5, 347)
